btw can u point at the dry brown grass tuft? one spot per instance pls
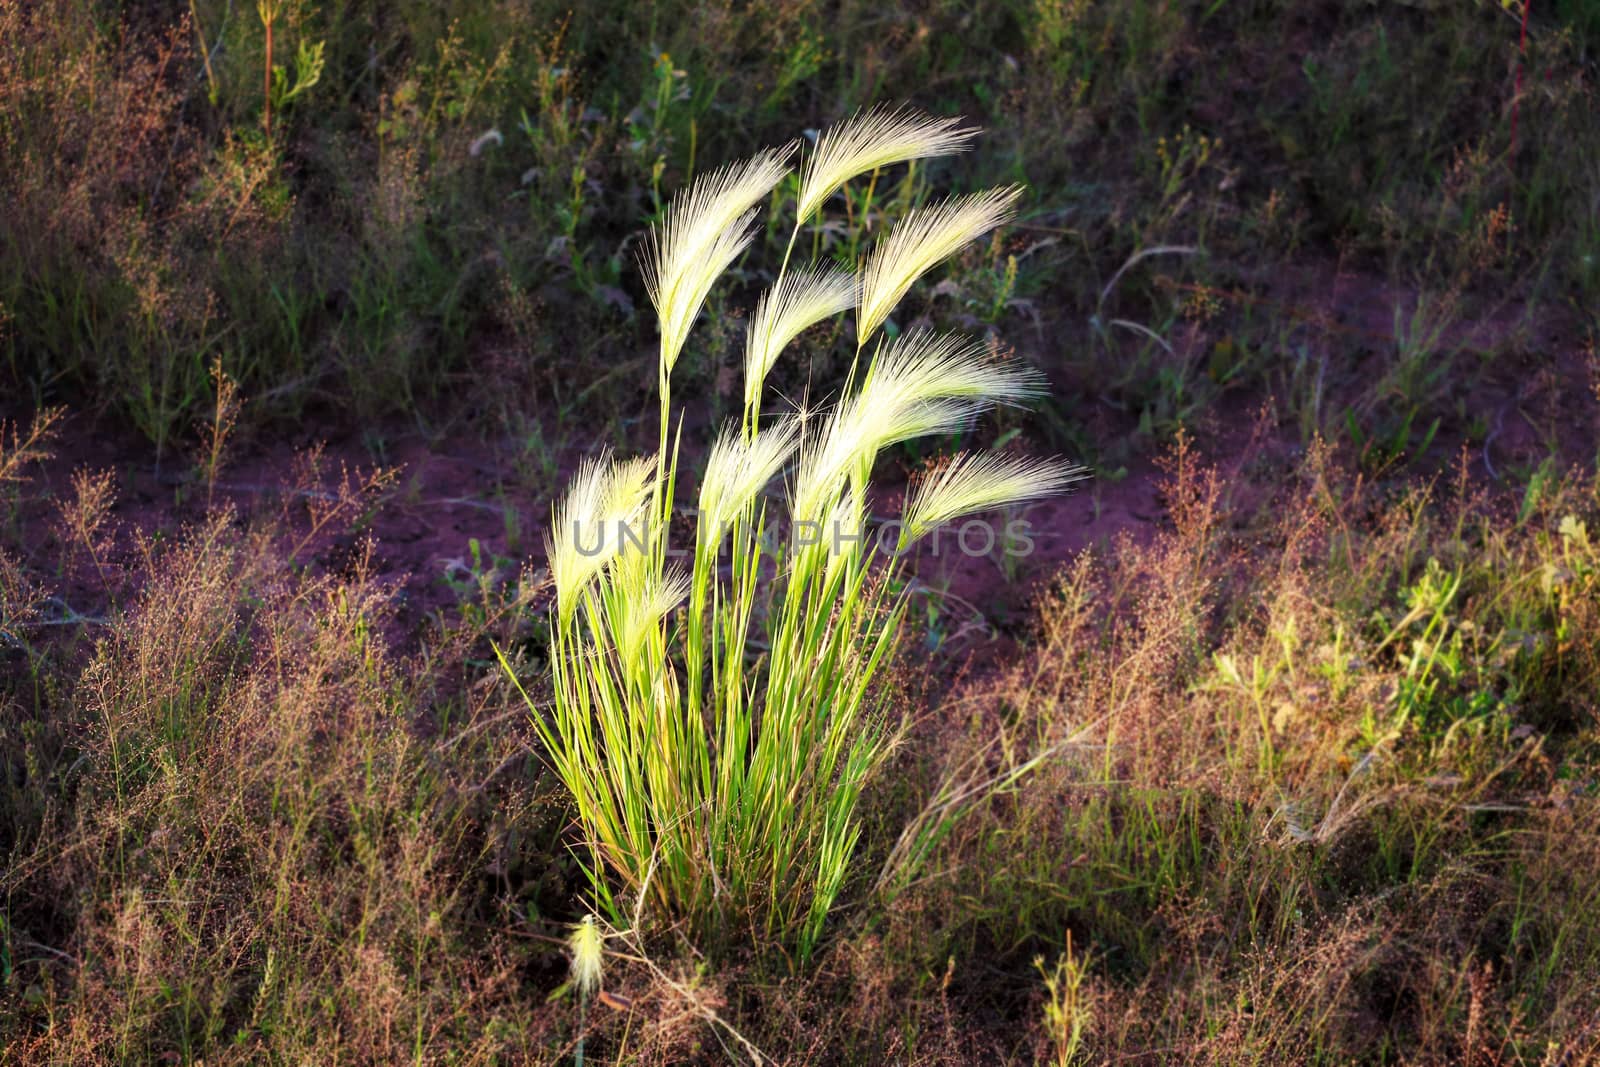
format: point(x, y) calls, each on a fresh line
point(255, 854)
point(1305, 783)
point(18, 451)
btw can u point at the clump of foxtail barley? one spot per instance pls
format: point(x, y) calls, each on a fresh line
point(718, 786)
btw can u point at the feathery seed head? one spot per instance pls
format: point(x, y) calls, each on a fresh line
point(679, 296)
point(921, 383)
point(979, 482)
point(922, 365)
point(800, 300)
point(604, 501)
point(845, 529)
point(737, 470)
point(580, 508)
point(880, 137)
point(924, 418)
point(858, 430)
point(588, 956)
point(924, 238)
point(628, 484)
point(703, 231)
point(828, 458)
point(658, 594)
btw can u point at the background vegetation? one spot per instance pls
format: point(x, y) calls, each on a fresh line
point(1315, 287)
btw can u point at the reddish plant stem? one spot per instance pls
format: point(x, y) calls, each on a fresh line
point(1516, 96)
point(266, 90)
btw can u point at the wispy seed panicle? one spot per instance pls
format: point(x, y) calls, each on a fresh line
point(980, 482)
point(858, 429)
point(880, 137)
point(919, 242)
point(799, 300)
point(737, 469)
point(603, 500)
point(921, 383)
point(653, 598)
point(921, 364)
point(703, 231)
point(588, 956)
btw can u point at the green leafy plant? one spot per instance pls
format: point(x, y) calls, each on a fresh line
point(277, 90)
point(308, 64)
point(1067, 1016)
point(717, 774)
